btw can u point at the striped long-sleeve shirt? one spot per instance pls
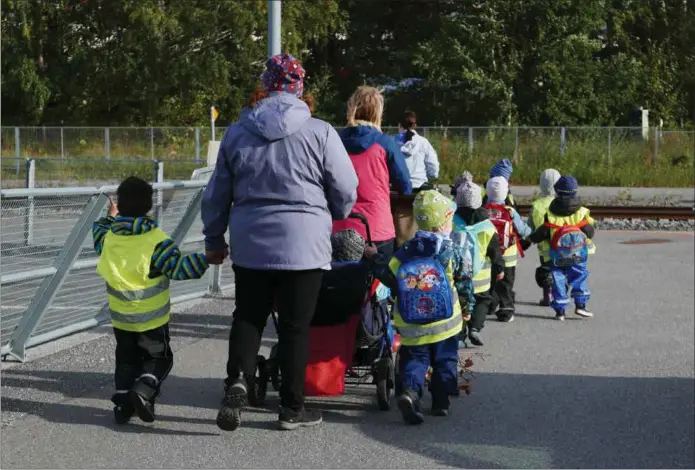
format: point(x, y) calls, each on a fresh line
point(166, 258)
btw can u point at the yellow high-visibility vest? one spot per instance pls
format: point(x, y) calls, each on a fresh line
point(539, 208)
point(136, 302)
point(481, 281)
point(417, 335)
point(574, 219)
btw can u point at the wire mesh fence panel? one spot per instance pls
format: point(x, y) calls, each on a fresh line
point(130, 143)
point(13, 172)
point(42, 141)
point(177, 143)
point(678, 147)
point(51, 172)
point(8, 147)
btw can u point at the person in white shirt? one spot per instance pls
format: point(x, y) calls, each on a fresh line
point(420, 156)
point(423, 166)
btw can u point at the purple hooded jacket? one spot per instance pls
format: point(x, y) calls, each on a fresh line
point(281, 178)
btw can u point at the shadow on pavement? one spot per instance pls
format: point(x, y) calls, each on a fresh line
point(537, 421)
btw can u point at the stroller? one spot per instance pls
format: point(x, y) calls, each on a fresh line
point(351, 338)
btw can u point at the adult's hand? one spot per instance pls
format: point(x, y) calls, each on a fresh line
point(217, 257)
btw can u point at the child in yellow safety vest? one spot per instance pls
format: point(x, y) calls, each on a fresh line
point(431, 276)
point(137, 260)
point(511, 229)
point(539, 208)
point(569, 228)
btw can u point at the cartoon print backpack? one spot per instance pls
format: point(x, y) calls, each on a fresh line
point(424, 292)
point(569, 246)
point(502, 219)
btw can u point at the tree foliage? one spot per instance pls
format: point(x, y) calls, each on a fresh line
point(478, 62)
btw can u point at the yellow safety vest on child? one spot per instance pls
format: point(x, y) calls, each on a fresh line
point(136, 302)
point(574, 219)
point(481, 281)
point(539, 208)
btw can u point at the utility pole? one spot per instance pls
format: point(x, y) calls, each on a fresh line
point(274, 22)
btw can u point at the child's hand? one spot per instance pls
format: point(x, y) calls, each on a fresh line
point(500, 276)
point(370, 251)
point(525, 244)
point(113, 208)
point(217, 257)
point(466, 317)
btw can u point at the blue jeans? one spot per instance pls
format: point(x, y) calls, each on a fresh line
point(576, 278)
point(443, 357)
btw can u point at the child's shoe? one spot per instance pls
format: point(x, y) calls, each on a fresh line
point(440, 412)
point(235, 398)
point(560, 315)
point(582, 311)
point(409, 404)
point(123, 410)
point(142, 406)
point(474, 336)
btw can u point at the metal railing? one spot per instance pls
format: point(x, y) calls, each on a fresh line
point(49, 285)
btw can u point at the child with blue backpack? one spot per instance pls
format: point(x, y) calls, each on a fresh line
point(431, 276)
point(569, 228)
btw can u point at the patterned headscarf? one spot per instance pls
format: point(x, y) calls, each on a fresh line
point(284, 73)
point(432, 209)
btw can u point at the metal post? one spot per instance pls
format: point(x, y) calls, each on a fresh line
point(562, 141)
point(107, 143)
point(610, 158)
point(516, 144)
point(158, 178)
point(152, 143)
point(274, 27)
point(17, 150)
point(29, 209)
point(197, 144)
point(470, 141)
point(44, 295)
point(62, 144)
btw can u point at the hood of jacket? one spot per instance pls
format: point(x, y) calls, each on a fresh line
point(276, 117)
point(565, 206)
point(357, 139)
point(426, 244)
point(414, 147)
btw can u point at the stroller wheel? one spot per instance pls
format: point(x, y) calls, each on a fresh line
point(259, 388)
point(274, 368)
point(383, 376)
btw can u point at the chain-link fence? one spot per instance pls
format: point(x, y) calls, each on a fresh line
point(49, 285)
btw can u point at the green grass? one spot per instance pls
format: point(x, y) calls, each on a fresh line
point(632, 161)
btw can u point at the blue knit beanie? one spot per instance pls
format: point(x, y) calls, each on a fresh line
point(502, 168)
point(566, 186)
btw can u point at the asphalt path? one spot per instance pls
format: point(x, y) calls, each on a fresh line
point(615, 391)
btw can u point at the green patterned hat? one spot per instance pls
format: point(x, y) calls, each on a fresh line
point(432, 209)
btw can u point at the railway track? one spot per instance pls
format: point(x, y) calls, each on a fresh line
point(634, 212)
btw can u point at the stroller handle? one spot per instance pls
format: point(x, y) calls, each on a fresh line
point(363, 219)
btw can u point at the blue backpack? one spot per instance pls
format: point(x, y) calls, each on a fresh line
point(569, 246)
point(466, 236)
point(424, 292)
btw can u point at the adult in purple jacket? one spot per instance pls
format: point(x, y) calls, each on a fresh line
point(281, 178)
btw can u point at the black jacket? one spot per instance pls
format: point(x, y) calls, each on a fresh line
point(562, 206)
point(472, 217)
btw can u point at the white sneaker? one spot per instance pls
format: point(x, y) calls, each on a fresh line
point(583, 312)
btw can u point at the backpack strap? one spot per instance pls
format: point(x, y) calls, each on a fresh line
point(578, 225)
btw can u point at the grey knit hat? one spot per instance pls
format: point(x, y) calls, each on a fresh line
point(348, 245)
point(468, 194)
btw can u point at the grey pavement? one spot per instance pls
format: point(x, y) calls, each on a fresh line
point(614, 391)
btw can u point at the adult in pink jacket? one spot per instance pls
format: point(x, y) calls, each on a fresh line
point(379, 164)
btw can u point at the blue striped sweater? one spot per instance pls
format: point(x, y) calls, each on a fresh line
point(166, 258)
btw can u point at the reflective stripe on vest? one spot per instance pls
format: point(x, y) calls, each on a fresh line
point(481, 281)
point(539, 208)
point(139, 318)
point(141, 294)
point(413, 332)
point(582, 214)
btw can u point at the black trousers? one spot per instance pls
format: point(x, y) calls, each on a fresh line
point(480, 311)
point(143, 360)
point(295, 294)
point(502, 293)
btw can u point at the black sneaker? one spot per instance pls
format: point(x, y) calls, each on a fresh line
point(410, 408)
point(235, 398)
point(290, 419)
point(123, 410)
point(474, 336)
point(560, 316)
point(144, 408)
point(440, 412)
point(506, 318)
